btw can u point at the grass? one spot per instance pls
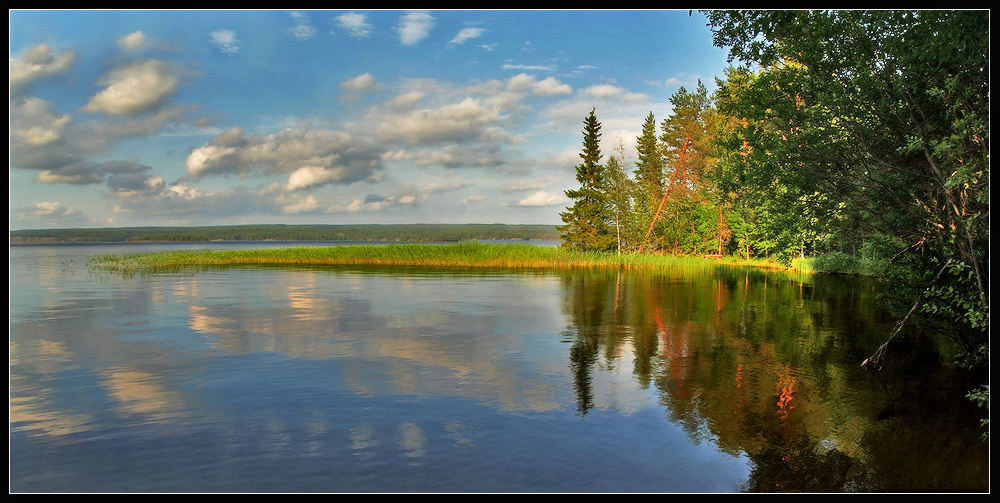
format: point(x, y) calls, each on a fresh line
point(471, 254)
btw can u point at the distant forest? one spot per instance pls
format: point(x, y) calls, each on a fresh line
point(373, 232)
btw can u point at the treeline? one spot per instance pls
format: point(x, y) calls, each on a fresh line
point(857, 138)
point(373, 232)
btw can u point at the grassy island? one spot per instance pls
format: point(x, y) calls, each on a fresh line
point(471, 254)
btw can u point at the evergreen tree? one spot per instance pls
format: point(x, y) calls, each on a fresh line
point(587, 220)
point(648, 175)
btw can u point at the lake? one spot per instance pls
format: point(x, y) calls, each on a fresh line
point(352, 379)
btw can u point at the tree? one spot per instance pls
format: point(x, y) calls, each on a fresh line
point(880, 118)
point(649, 176)
point(686, 219)
point(586, 222)
point(619, 192)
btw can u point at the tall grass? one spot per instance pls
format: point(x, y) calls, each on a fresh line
point(472, 254)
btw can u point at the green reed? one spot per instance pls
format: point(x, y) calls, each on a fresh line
point(472, 254)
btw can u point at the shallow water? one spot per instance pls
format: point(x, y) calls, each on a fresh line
point(403, 379)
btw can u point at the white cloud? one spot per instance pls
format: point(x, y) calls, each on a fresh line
point(133, 41)
point(405, 101)
point(313, 176)
point(48, 210)
point(226, 40)
point(548, 87)
point(69, 178)
point(36, 124)
point(37, 63)
point(543, 198)
point(551, 87)
point(303, 30)
point(311, 156)
point(362, 83)
point(307, 204)
point(606, 91)
point(134, 89)
point(355, 24)
point(464, 121)
point(414, 27)
point(542, 68)
point(467, 34)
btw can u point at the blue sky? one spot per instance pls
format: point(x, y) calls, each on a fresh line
point(132, 118)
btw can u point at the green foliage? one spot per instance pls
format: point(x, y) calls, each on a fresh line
point(885, 114)
point(877, 254)
point(837, 262)
point(982, 398)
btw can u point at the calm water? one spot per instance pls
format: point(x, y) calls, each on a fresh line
point(400, 380)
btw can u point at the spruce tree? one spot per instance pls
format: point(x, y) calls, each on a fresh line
point(587, 220)
point(649, 176)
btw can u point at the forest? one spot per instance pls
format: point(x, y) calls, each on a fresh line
point(857, 138)
point(372, 232)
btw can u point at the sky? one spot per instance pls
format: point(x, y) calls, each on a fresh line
point(122, 118)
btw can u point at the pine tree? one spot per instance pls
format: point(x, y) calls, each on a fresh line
point(587, 220)
point(649, 177)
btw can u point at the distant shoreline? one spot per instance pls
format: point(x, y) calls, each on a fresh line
point(248, 233)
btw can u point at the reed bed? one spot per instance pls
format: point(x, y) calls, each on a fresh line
point(472, 254)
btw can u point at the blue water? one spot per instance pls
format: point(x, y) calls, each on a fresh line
point(406, 380)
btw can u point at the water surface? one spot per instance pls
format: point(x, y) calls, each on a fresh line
point(341, 379)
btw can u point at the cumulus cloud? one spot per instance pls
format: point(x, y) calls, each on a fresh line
point(405, 101)
point(543, 198)
point(414, 27)
point(607, 91)
point(40, 137)
point(87, 173)
point(314, 176)
point(548, 87)
point(47, 210)
point(35, 123)
point(355, 24)
point(467, 120)
point(311, 157)
point(181, 203)
point(226, 41)
point(466, 34)
point(134, 89)
point(362, 83)
point(76, 174)
point(37, 63)
point(133, 41)
point(306, 204)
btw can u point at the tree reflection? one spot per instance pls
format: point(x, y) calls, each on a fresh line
point(762, 364)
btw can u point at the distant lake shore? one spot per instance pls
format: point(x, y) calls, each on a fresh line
point(371, 232)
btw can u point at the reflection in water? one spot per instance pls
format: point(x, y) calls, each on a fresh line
point(766, 364)
point(340, 379)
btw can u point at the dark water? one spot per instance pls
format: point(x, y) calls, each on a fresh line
point(411, 380)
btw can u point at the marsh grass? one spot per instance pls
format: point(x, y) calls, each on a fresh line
point(471, 254)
